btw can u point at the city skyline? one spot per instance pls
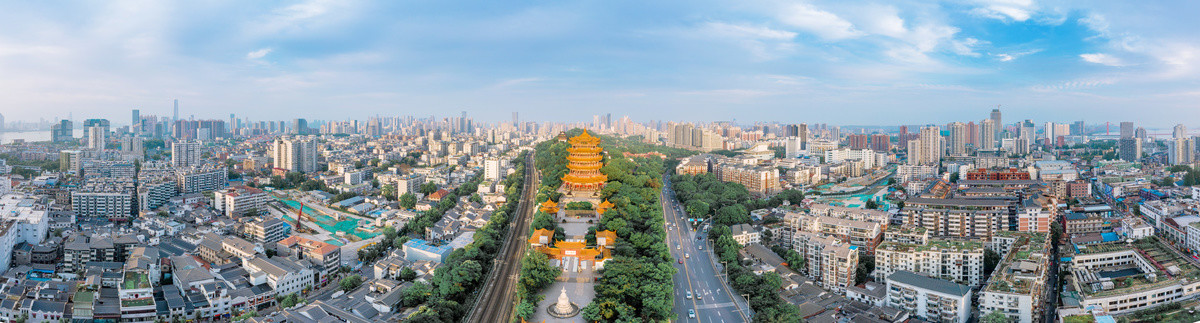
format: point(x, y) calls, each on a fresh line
point(897, 63)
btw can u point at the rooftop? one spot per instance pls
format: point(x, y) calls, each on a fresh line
point(135, 280)
point(939, 244)
point(933, 284)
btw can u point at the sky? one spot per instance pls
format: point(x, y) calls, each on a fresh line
point(842, 62)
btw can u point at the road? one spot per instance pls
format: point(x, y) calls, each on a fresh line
point(496, 300)
point(698, 273)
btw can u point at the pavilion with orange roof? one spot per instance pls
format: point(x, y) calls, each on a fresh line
point(584, 162)
point(549, 207)
point(574, 254)
point(603, 206)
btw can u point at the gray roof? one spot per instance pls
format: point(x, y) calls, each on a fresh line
point(956, 202)
point(933, 284)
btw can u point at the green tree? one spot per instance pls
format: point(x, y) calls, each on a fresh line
point(990, 260)
point(427, 188)
point(408, 201)
point(389, 192)
point(407, 274)
point(351, 282)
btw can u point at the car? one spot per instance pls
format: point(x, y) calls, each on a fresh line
point(697, 296)
point(681, 261)
point(687, 255)
point(691, 314)
point(701, 247)
point(689, 294)
point(677, 247)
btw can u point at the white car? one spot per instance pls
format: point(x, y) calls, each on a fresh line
point(691, 314)
point(689, 294)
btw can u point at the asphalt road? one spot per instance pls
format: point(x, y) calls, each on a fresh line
point(712, 300)
point(496, 300)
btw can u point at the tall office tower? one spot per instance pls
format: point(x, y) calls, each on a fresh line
point(1127, 129)
point(1140, 134)
point(185, 153)
point(998, 123)
point(299, 126)
point(802, 133)
point(957, 142)
point(903, 137)
point(295, 154)
point(175, 117)
point(1049, 132)
point(95, 137)
point(987, 134)
point(1180, 131)
point(135, 126)
point(103, 124)
point(927, 149)
point(232, 125)
point(62, 131)
point(973, 135)
point(1180, 151)
point(1129, 148)
point(515, 119)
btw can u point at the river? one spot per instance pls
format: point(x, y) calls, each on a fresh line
point(28, 136)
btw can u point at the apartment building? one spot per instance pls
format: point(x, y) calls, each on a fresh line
point(830, 262)
point(1017, 285)
point(760, 180)
point(239, 200)
point(959, 217)
point(959, 261)
point(266, 231)
point(931, 299)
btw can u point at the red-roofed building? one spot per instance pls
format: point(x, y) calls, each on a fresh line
point(437, 196)
point(324, 255)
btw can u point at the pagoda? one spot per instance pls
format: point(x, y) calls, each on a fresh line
point(584, 163)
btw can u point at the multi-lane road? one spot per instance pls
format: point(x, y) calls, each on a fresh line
point(712, 300)
point(496, 300)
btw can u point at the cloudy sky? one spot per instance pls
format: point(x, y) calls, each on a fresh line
point(846, 62)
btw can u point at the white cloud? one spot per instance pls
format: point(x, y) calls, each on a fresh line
point(258, 53)
point(1016, 10)
point(1008, 57)
point(742, 31)
point(1102, 59)
point(1077, 84)
point(822, 23)
point(883, 20)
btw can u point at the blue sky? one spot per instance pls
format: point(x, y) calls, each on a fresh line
point(845, 62)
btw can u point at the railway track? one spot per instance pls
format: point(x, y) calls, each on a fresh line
point(496, 300)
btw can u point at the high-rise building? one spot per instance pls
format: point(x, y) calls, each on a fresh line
point(973, 135)
point(997, 122)
point(135, 126)
point(299, 126)
point(857, 141)
point(903, 137)
point(175, 116)
point(1180, 131)
point(491, 169)
point(1077, 128)
point(295, 154)
point(1127, 129)
point(987, 134)
point(1180, 150)
point(95, 137)
point(185, 153)
point(62, 131)
point(881, 142)
point(927, 149)
point(957, 142)
point(103, 124)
